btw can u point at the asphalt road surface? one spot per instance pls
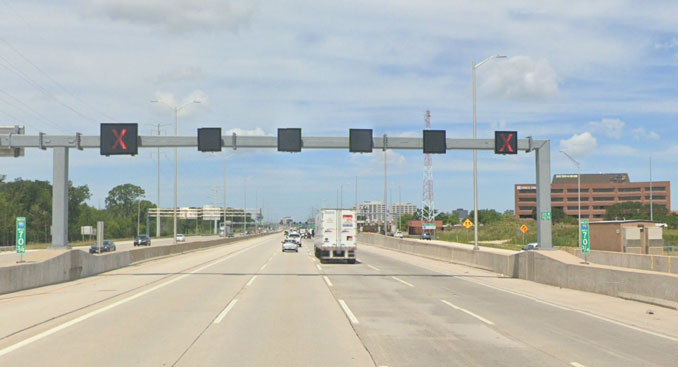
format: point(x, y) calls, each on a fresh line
point(248, 304)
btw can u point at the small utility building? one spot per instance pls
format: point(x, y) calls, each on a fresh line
point(632, 236)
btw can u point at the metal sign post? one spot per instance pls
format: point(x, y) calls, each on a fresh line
point(21, 238)
point(585, 240)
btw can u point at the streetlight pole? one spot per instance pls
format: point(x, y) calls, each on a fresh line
point(475, 153)
point(176, 110)
point(578, 193)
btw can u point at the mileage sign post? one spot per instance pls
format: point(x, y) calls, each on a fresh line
point(20, 238)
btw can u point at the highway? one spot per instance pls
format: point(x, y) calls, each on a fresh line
point(248, 304)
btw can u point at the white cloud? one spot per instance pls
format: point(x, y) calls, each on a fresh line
point(182, 73)
point(579, 145)
point(612, 128)
point(519, 77)
point(257, 131)
point(178, 15)
point(641, 133)
point(187, 105)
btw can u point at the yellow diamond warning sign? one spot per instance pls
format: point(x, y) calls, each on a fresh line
point(523, 228)
point(467, 223)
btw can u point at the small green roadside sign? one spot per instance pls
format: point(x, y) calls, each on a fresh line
point(545, 215)
point(20, 235)
point(585, 240)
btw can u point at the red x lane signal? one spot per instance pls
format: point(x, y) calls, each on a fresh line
point(118, 139)
point(506, 142)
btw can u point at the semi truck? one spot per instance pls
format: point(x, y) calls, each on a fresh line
point(335, 235)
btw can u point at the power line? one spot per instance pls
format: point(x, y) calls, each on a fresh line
point(25, 108)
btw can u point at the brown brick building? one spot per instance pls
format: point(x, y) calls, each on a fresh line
point(598, 191)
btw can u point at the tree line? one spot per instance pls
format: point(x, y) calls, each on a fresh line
point(33, 199)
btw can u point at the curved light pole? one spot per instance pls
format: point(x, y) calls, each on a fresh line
point(578, 193)
point(176, 110)
point(475, 153)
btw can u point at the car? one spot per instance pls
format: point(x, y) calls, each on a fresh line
point(398, 234)
point(142, 240)
point(531, 246)
point(290, 244)
point(425, 236)
point(295, 237)
point(230, 235)
point(108, 246)
point(181, 238)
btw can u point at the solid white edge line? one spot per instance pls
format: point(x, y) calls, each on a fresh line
point(225, 311)
point(372, 267)
point(468, 312)
point(327, 280)
point(251, 281)
point(348, 312)
point(574, 310)
point(402, 281)
point(575, 364)
point(84, 317)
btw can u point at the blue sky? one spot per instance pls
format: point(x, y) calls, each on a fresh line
point(598, 79)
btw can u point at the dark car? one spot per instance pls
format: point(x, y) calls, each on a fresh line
point(425, 236)
point(108, 246)
point(142, 240)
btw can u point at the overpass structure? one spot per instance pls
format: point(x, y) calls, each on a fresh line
point(61, 145)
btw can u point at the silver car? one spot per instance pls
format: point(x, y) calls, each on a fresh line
point(290, 244)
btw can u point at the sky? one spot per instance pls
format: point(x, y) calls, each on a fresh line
point(599, 79)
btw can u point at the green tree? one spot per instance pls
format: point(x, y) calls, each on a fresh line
point(487, 216)
point(122, 199)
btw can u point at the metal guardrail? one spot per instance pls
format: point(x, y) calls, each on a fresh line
point(671, 248)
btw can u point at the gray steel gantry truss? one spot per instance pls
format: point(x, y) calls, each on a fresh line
point(60, 144)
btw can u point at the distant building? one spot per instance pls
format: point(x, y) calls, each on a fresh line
point(598, 192)
point(415, 227)
point(372, 211)
point(399, 209)
point(460, 213)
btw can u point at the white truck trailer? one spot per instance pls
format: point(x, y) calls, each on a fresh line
point(335, 235)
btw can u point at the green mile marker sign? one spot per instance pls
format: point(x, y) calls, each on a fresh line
point(585, 240)
point(20, 235)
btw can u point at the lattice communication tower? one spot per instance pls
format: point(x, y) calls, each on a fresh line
point(427, 205)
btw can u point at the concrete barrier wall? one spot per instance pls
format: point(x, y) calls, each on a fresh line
point(75, 264)
point(664, 264)
point(543, 267)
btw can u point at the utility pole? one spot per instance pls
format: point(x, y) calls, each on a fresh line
point(651, 213)
point(244, 211)
point(356, 195)
point(385, 186)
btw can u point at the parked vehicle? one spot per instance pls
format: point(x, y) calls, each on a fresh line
point(335, 237)
point(425, 236)
point(531, 246)
point(181, 238)
point(398, 234)
point(290, 245)
point(108, 246)
point(142, 240)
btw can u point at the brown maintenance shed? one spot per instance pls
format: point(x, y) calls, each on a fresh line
point(632, 236)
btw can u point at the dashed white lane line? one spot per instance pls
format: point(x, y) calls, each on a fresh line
point(327, 280)
point(225, 311)
point(84, 317)
point(372, 267)
point(351, 316)
point(318, 266)
point(251, 281)
point(575, 364)
point(402, 281)
point(468, 312)
point(263, 267)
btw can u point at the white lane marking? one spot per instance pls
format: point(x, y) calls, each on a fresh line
point(372, 267)
point(318, 266)
point(84, 317)
point(348, 312)
point(327, 280)
point(225, 311)
point(574, 310)
point(251, 281)
point(468, 312)
point(575, 364)
point(402, 281)
point(263, 267)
